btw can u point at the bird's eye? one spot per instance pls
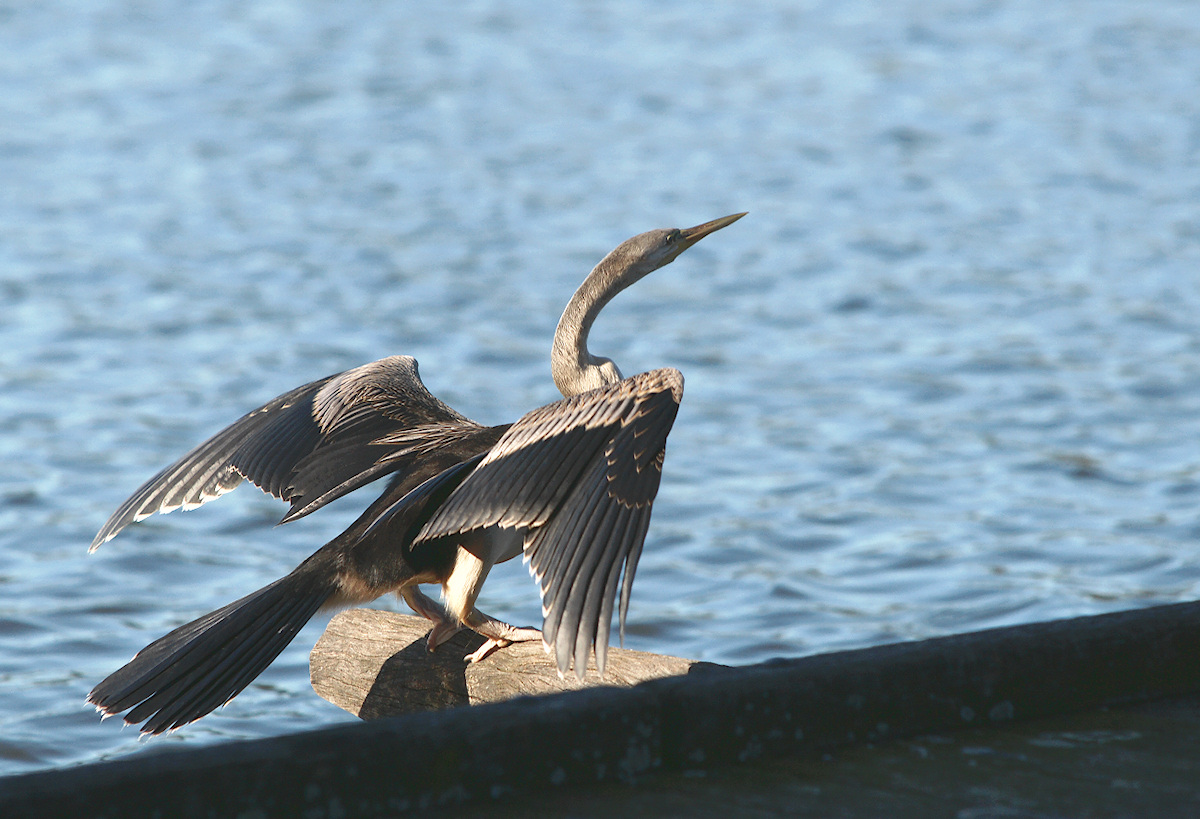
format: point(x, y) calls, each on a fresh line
point(674, 235)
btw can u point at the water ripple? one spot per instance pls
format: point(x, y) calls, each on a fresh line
point(946, 377)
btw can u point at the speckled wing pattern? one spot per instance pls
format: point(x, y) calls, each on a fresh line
point(579, 476)
point(309, 446)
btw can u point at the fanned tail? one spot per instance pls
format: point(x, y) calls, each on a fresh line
point(204, 664)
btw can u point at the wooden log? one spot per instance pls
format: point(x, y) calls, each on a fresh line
point(376, 664)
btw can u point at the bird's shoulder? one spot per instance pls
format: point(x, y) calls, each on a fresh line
point(390, 387)
point(611, 405)
point(603, 437)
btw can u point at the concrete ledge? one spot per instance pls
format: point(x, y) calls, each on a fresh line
point(712, 716)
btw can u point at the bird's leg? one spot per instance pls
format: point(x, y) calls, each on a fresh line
point(445, 625)
point(498, 633)
point(461, 588)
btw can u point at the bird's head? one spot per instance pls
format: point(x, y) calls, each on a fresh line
point(653, 249)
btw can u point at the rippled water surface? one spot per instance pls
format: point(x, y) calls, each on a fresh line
point(945, 376)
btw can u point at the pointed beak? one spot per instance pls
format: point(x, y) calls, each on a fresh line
point(692, 235)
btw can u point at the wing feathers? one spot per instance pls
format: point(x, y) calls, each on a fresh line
point(591, 527)
point(580, 606)
point(201, 474)
point(579, 476)
point(632, 554)
point(310, 445)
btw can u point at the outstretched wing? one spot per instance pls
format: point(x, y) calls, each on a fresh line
point(309, 446)
point(578, 477)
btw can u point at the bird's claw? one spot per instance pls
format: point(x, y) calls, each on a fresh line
point(486, 649)
point(498, 633)
point(442, 631)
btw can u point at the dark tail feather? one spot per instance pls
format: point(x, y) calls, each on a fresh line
point(200, 666)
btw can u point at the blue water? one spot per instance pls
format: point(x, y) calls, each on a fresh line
point(945, 376)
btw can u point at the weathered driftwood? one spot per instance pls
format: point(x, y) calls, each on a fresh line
point(376, 664)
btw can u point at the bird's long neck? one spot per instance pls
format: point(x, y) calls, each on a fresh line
point(575, 370)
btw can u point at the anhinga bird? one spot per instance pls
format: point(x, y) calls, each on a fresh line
point(569, 486)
